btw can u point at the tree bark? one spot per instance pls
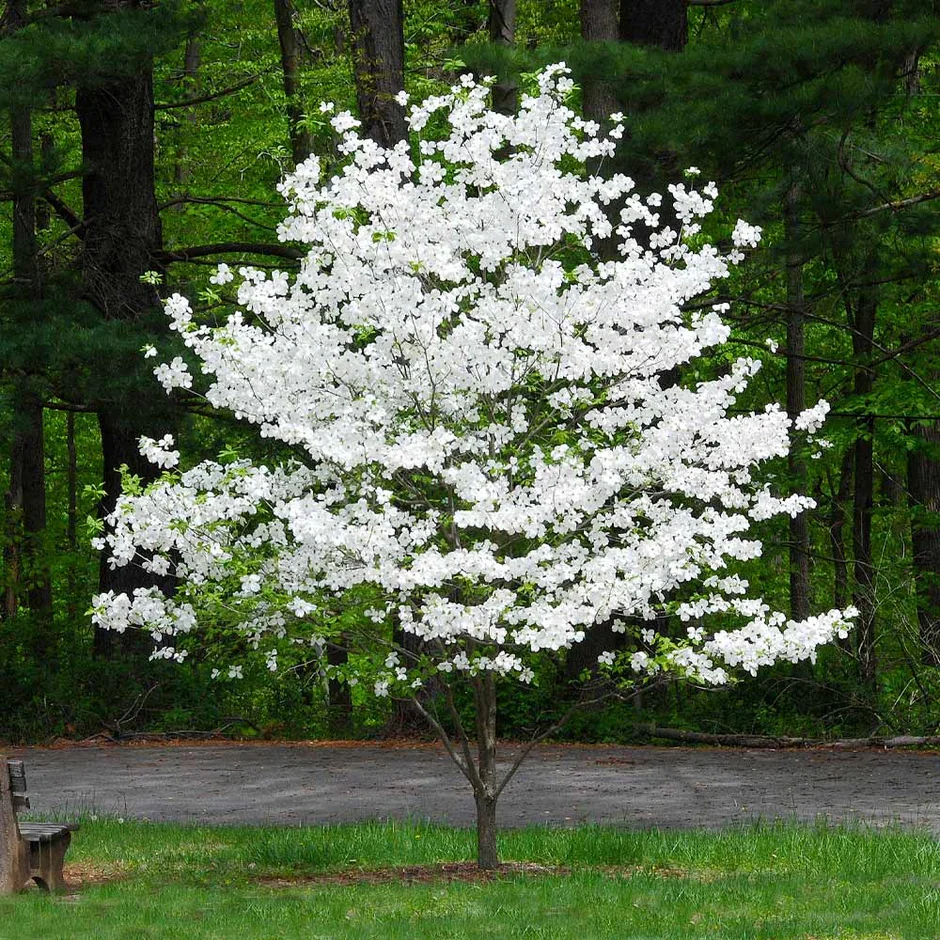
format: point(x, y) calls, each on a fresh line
point(598, 24)
point(123, 238)
point(501, 26)
point(192, 58)
point(837, 520)
point(660, 23)
point(28, 495)
point(485, 791)
point(378, 44)
point(340, 698)
point(71, 526)
point(923, 476)
point(796, 401)
point(863, 497)
point(122, 225)
point(120, 432)
point(301, 144)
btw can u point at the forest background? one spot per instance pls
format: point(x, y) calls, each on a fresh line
point(140, 146)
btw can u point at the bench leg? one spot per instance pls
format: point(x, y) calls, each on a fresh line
point(47, 859)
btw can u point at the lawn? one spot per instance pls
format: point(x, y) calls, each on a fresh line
point(141, 880)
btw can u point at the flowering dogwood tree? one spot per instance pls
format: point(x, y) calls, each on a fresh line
point(485, 456)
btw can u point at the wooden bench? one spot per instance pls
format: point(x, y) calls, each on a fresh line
point(28, 850)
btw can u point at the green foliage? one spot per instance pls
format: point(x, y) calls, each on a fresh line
point(766, 95)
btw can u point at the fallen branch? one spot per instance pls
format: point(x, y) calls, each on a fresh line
point(776, 743)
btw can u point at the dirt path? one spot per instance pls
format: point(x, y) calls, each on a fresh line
point(645, 786)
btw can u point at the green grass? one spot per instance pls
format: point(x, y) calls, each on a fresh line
point(777, 882)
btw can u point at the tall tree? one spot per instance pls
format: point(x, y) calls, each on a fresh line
point(300, 139)
point(122, 241)
point(26, 500)
point(799, 546)
point(923, 475)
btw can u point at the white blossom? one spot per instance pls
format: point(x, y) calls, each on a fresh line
point(484, 443)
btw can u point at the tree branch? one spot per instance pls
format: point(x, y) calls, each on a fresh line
point(213, 200)
point(202, 99)
point(896, 205)
point(226, 248)
point(554, 729)
point(219, 204)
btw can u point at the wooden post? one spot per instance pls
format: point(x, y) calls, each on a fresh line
point(14, 860)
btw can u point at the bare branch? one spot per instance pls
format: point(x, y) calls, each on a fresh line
point(554, 729)
point(202, 99)
point(896, 205)
point(467, 771)
point(227, 248)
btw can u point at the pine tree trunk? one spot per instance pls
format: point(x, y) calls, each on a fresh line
point(837, 521)
point(301, 144)
point(192, 57)
point(864, 494)
point(923, 476)
point(378, 42)
point(28, 497)
point(121, 217)
point(501, 26)
point(796, 401)
point(120, 432)
point(122, 236)
point(660, 23)
point(484, 693)
point(71, 526)
point(598, 24)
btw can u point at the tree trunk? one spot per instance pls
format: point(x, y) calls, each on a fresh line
point(863, 345)
point(487, 850)
point(485, 793)
point(71, 527)
point(120, 431)
point(837, 520)
point(301, 144)
point(501, 26)
point(29, 494)
point(598, 24)
point(121, 217)
point(923, 476)
point(122, 236)
point(340, 704)
point(378, 43)
point(660, 23)
point(796, 401)
point(192, 58)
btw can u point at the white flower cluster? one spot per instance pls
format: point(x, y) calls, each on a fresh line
point(160, 452)
point(475, 393)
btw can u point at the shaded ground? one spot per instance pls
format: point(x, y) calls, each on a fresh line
point(642, 786)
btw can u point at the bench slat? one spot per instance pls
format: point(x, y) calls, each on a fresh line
point(40, 833)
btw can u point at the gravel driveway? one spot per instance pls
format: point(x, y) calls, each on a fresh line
point(292, 784)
